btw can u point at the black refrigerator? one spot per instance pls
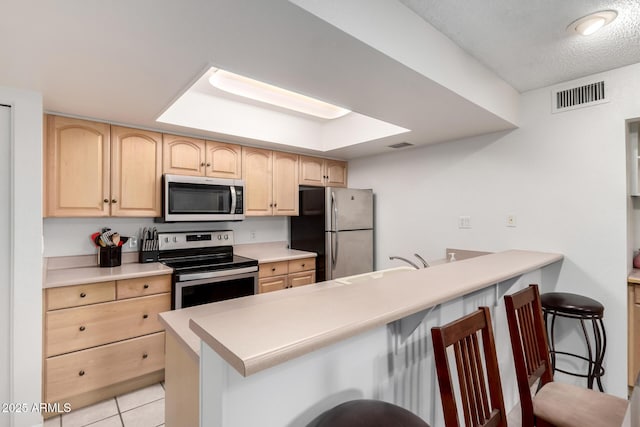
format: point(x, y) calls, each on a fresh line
point(337, 224)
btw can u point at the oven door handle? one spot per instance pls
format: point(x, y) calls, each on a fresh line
point(213, 274)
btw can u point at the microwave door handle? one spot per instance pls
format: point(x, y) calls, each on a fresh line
point(233, 199)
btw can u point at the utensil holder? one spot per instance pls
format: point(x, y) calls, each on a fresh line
point(110, 256)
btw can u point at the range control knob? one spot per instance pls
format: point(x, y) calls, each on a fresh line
point(166, 240)
point(219, 236)
point(175, 239)
point(226, 237)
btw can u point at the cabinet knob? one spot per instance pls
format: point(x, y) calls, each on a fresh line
point(106, 200)
point(81, 373)
point(302, 265)
point(146, 286)
point(82, 295)
point(273, 269)
point(82, 328)
point(145, 316)
point(270, 205)
point(202, 164)
point(114, 201)
point(208, 164)
point(145, 355)
point(275, 205)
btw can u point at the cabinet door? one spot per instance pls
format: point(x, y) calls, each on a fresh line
point(336, 173)
point(77, 168)
point(136, 172)
point(84, 371)
point(311, 171)
point(223, 160)
point(270, 284)
point(285, 183)
point(182, 155)
point(258, 181)
point(77, 328)
point(301, 279)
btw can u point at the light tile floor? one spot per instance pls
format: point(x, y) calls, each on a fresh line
point(140, 408)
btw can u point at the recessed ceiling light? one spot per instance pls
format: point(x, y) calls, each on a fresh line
point(263, 92)
point(589, 24)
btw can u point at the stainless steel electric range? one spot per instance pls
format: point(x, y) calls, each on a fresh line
point(205, 268)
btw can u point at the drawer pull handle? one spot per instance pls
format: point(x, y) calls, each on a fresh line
point(146, 286)
point(303, 265)
point(82, 328)
point(81, 373)
point(273, 269)
point(145, 355)
point(82, 295)
point(145, 316)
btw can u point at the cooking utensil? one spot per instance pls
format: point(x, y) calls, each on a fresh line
point(106, 237)
point(94, 238)
point(115, 238)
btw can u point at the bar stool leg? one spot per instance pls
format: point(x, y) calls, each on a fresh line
point(590, 359)
point(551, 336)
point(601, 346)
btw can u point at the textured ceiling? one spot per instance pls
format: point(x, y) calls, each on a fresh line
point(526, 42)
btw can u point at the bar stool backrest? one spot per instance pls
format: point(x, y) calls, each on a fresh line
point(529, 346)
point(480, 393)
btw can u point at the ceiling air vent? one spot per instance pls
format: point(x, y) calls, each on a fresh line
point(401, 145)
point(579, 96)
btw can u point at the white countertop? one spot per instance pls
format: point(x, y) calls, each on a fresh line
point(270, 252)
point(80, 275)
point(260, 331)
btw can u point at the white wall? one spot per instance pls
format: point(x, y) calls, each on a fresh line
point(25, 346)
point(5, 255)
point(70, 236)
point(562, 175)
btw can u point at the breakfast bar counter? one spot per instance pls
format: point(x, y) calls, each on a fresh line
point(256, 334)
point(289, 355)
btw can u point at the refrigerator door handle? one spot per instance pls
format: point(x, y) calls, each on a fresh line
point(334, 250)
point(334, 206)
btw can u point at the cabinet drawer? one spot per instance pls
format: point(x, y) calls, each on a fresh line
point(302, 278)
point(73, 296)
point(78, 328)
point(142, 286)
point(76, 373)
point(304, 264)
point(271, 269)
point(270, 284)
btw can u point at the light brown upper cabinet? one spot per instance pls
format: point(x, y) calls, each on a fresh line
point(271, 182)
point(94, 169)
point(136, 172)
point(322, 172)
point(77, 162)
point(191, 156)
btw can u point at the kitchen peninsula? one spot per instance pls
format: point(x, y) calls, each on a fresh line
point(281, 359)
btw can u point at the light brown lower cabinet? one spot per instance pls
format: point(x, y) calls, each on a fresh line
point(633, 329)
point(274, 276)
point(103, 339)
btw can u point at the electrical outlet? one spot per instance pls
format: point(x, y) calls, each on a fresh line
point(133, 242)
point(464, 222)
point(511, 220)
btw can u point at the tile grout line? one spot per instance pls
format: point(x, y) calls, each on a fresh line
point(119, 413)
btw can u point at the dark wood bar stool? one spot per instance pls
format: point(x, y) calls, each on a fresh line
point(367, 413)
point(481, 394)
point(582, 308)
point(554, 403)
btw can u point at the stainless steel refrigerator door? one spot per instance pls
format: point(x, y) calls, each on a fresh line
point(348, 253)
point(348, 209)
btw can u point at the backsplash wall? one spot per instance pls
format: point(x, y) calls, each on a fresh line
point(71, 236)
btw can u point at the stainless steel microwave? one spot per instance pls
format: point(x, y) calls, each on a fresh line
point(198, 198)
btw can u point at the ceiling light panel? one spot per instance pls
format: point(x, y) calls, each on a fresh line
point(591, 23)
point(263, 92)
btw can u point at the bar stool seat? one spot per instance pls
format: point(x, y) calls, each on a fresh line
point(367, 413)
point(582, 308)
